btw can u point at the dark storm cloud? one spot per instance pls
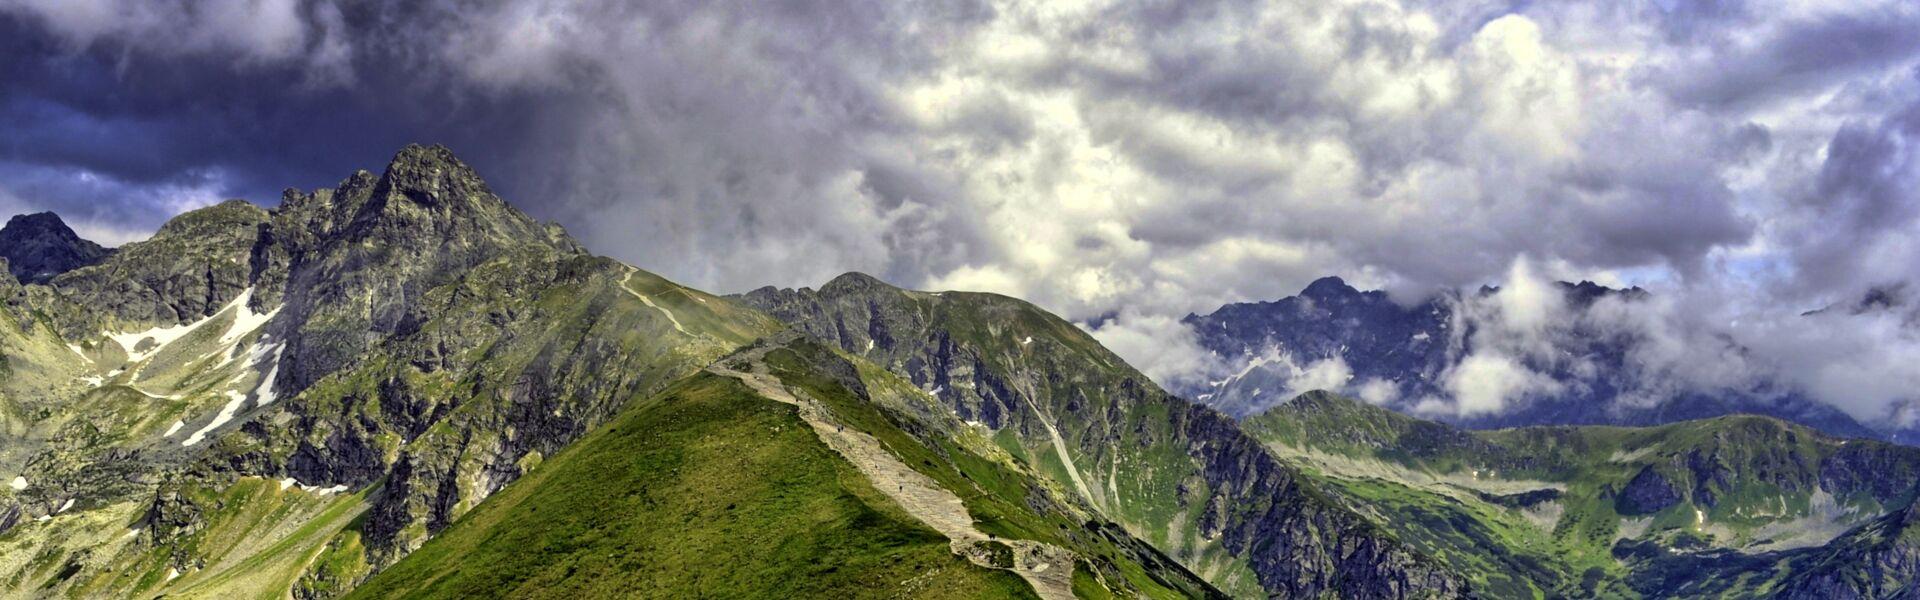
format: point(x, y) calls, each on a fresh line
point(1795, 57)
point(136, 123)
point(1859, 226)
point(115, 112)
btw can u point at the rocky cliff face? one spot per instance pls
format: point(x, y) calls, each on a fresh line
point(40, 246)
point(196, 264)
point(1175, 473)
point(364, 257)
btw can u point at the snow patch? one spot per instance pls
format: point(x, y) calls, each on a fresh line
point(245, 321)
point(93, 382)
point(78, 352)
point(18, 483)
point(173, 574)
point(288, 482)
point(264, 393)
point(324, 491)
point(161, 336)
point(174, 428)
point(1029, 340)
point(1257, 362)
point(234, 400)
point(64, 506)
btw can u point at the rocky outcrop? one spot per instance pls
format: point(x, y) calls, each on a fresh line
point(1648, 492)
point(1883, 471)
point(364, 257)
point(195, 265)
point(40, 246)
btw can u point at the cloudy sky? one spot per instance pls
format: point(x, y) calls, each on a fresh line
point(1139, 158)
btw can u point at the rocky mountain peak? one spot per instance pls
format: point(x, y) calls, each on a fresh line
point(1586, 293)
point(431, 176)
point(853, 282)
point(1883, 297)
point(1328, 288)
point(40, 221)
point(40, 246)
point(196, 263)
point(427, 195)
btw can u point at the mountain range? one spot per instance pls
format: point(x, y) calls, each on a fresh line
point(403, 386)
point(1402, 356)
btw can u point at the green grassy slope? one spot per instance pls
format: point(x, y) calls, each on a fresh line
point(703, 491)
point(1004, 493)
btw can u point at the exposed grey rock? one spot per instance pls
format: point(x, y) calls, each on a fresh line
point(195, 265)
point(40, 246)
point(1648, 492)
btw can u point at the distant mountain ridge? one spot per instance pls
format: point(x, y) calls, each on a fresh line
point(1408, 351)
